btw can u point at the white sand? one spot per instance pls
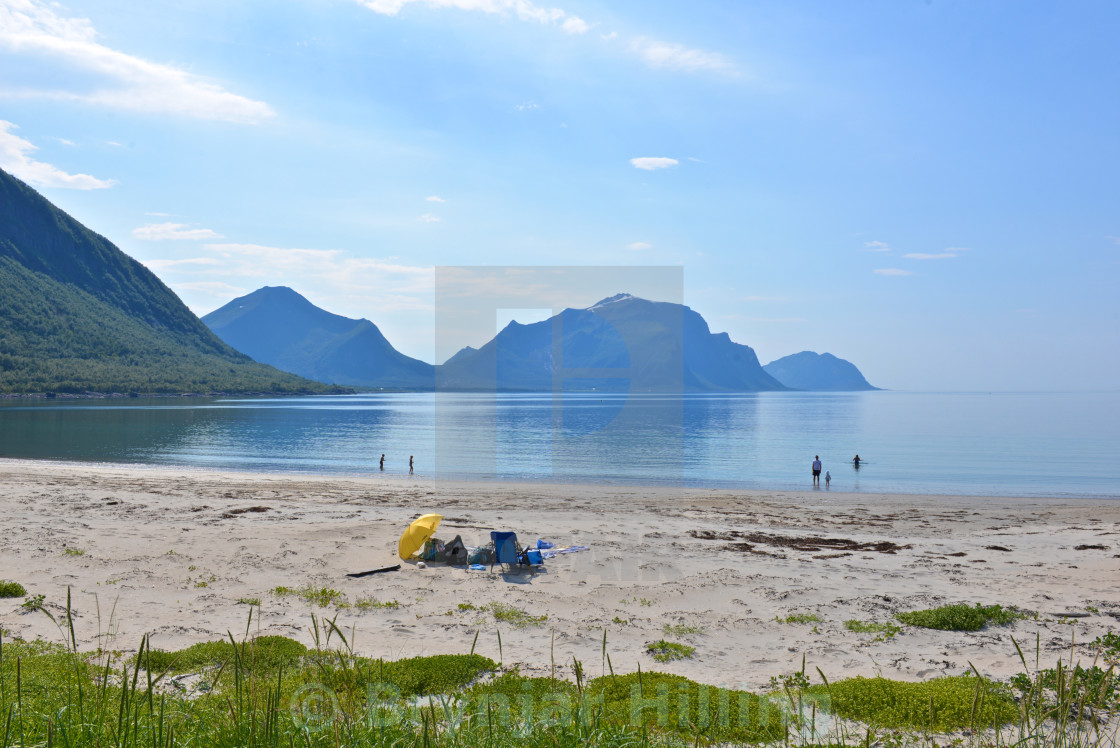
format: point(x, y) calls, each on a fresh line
point(152, 537)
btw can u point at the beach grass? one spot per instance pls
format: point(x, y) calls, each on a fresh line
point(11, 589)
point(323, 597)
point(882, 631)
point(272, 691)
point(960, 617)
point(667, 651)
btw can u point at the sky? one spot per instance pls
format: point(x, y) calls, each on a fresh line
point(927, 188)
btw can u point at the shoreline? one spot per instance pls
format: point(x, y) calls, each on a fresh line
point(171, 552)
point(557, 484)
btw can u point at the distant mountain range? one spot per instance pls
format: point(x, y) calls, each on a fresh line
point(276, 325)
point(620, 344)
point(817, 372)
point(78, 315)
point(623, 343)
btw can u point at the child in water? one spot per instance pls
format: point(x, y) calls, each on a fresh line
point(827, 478)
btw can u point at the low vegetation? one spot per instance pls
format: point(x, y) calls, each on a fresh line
point(666, 651)
point(882, 631)
point(272, 691)
point(11, 589)
point(800, 618)
point(960, 617)
point(322, 597)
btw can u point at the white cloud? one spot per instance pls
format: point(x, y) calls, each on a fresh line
point(157, 266)
point(924, 256)
point(123, 81)
point(892, 271)
point(650, 163)
point(156, 232)
point(331, 278)
point(435, 199)
point(15, 157)
point(949, 253)
point(64, 141)
point(638, 246)
point(525, 107)
point(877, 246)
point(429, 218)
point(609, 37)
point(659, 54)
point(523, 9)
point(575, 25)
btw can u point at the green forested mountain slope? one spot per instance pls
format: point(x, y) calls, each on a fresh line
point(77, 314)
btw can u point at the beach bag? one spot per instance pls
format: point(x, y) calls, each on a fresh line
point(433, 548)
point(481, 555)
point(455, 552)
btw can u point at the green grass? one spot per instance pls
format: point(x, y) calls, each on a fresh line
point(372, 603)
point(515, 617)
point(74, 551)
point(680, 629)
point(1109, 646)
point(323, 597)
point(272, 691)
point(882, 631)
point(11, 589)
point(666, 651)
point(939, 705)
point(800, 618)
point(264, 652)
point(697, 712)
point(960, 617)
point(249, 601)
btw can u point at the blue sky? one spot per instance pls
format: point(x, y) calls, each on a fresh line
point(928, 189)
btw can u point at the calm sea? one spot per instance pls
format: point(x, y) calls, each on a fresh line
point(1038, 444)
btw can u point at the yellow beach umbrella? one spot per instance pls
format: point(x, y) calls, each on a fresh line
point(420, 530)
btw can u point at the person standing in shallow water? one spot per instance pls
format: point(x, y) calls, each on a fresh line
point(410, 464)
point(817, 470)
point(856, 462)
point(382, 465)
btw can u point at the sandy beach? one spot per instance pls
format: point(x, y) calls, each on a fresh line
point(171, 553)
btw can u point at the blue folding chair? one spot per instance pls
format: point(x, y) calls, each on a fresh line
point(507, 550)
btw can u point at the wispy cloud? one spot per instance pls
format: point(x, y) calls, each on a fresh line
point(343, 283)
point(877, 246)
point(659, 54)
point(654, 52)
point(638, 246)
point(123, 81)
point(522, 9)
point(526, 107)
point(15, 157)
point(157, 232)
point(948, 254)
point(891, 271)
point(429, 218)
point(652, 163)
point(435, 199)
point(162, 265)
point(924, 256)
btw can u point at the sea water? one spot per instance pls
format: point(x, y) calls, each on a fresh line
point(995, 444)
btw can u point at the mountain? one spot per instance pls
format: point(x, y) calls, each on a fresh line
point(817, 371)
point(622, 343)
point(277, 326)
point(79, 315)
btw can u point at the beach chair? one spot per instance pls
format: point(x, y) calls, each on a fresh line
point(507, 550)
